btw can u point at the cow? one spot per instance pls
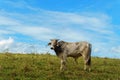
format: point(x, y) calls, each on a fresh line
point(72, 49)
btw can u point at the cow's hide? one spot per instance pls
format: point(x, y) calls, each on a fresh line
point(72, 49)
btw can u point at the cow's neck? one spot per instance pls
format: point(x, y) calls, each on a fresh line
point(58, 50)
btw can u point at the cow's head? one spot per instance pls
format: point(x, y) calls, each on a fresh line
point(53, 44)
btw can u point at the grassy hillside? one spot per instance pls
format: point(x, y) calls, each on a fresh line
point(46, 67)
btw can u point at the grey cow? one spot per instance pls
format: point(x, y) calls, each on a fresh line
point(71, 49)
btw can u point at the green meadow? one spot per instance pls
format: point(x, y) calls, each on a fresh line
point(46, 67)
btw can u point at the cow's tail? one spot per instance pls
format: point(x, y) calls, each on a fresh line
point(89, 61)
point(89, 57)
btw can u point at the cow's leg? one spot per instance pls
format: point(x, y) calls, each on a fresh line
point(85, 66)
point(87, 58)
point(63, 65)
point(87, 63)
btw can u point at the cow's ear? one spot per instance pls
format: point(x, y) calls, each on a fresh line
point(57, 40)
point(58, 43)
point(51, 39)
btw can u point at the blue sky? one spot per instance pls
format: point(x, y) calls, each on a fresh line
point(28, 25)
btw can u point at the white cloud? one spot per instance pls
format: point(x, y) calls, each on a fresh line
point(71, 35)
point(6, 21)
point(96, 50)
point(48, 23)
point(4, 31)
point(67, 26)
point(37, 32)
point(116, 49)
point(6, 43)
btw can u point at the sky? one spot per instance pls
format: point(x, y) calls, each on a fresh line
point(27, 26)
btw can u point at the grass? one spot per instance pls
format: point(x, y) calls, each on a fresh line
point(46, 67)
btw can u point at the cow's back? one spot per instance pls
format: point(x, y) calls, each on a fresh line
point(77, 48)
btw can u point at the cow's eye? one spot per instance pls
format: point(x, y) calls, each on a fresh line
point(49, 43)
